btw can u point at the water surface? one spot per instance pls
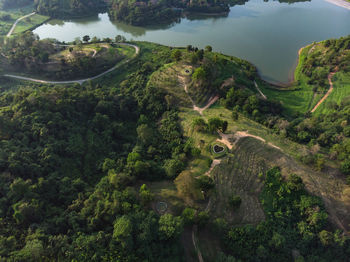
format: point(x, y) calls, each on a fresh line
point(268, 34)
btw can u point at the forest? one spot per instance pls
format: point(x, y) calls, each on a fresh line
point(133, 12)
point(69, 8)
point(75, 161)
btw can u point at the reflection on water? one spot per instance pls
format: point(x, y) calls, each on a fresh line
point(137, 31)
point(268, 34)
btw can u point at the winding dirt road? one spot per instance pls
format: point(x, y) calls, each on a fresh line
point(327, 94)
point(15, 24)
point(80, 81)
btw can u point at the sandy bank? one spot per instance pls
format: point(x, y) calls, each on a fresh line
point(341, 3)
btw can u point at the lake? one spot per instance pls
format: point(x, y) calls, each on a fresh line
point(268, 34)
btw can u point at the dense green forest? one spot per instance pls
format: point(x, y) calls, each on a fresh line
point(134, 12)
point(69, 8)
point(71, 162)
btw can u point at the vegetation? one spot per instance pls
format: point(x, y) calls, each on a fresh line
point(127, 168)
point(296, 223)
point(48, 59)
point(69, 8)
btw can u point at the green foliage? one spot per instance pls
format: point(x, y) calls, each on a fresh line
point(294, 219)
point(176, 55)
point(146, 195)
point(199, 74)
point(235, 201)
point(199, 125)
point(215, 124)
point(188, 215)
point(70, 165)
point(69, 8)
point(170, 227)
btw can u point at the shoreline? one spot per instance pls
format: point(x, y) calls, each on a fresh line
point(280, 85)
point(341, 3)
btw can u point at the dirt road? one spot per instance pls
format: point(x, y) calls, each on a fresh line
point(80, 81)
point(327, 94)
point(14, 25)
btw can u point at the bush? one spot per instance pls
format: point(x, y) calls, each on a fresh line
point(235, 201)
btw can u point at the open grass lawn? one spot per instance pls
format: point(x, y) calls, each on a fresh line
point(15, 13)
point(30, 23)
point(165, 191)
point(341, 91)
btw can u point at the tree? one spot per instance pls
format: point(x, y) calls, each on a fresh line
point(189, 48)
point(170, 227)
point(199, 74)
point(176, 55)
point(172, 167)
point(145, 134)
point(146, 195)
point(188, 215)
point(199, 125)
point(215, 123)
point(326, 237)
point(120, 39)
point(194, 58)
point(208, 48)
point(235, 201)
point(122, 231)
point(86, 38)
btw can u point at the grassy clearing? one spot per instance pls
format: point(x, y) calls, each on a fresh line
point(165, 191)
point(29, 23)
point(341, 91)
point(167, 79)
point(14, 13)
point(148, 52)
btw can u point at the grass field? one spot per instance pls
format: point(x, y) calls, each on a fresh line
point(14, 13)
point(29, 23)
point(341, 83)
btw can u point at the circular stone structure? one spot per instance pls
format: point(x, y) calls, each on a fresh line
point(218, 149)
point(187, 71)
point(161, 207)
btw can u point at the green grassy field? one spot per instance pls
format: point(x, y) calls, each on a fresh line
point(341, 84)
point(14, 13)
point(29, 23)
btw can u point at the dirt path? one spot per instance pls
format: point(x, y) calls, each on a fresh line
point(200, 110)
point(81, 81)
point(213, 164)
point(194, 230)
point(261, 93)
point(14, 25)
point(211, 101)
point(225, 139)
point(327, 94)
point(341, 3)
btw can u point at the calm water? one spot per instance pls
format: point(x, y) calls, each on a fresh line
point(268, 34)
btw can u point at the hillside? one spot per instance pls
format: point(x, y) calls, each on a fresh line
point(170, 157)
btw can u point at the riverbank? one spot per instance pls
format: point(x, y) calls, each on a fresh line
point(341, 3)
